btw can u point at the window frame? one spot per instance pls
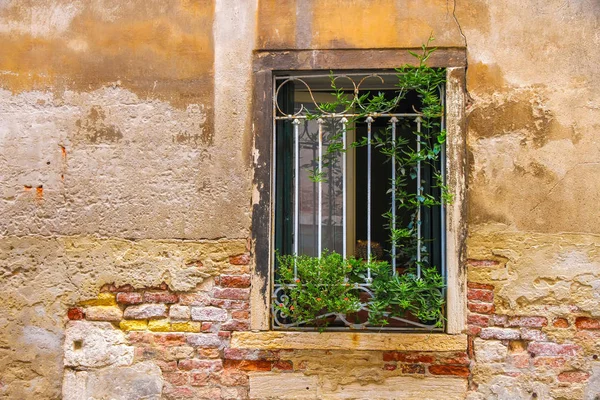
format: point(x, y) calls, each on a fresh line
point(269, 63)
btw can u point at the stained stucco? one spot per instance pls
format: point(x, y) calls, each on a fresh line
point(126, 150)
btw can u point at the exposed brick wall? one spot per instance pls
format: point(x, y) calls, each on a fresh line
point(188, 334)
point(556, 350)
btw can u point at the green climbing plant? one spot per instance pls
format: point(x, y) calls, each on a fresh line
point(325, 284)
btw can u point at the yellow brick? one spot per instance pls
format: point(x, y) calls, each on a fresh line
point(159, 325)
point(186, 327)
point(132, 325)
point(104, 299)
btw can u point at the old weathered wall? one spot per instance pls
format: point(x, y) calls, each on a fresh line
point(112, 170)
point(126, 151)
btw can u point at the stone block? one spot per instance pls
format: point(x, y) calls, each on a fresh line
point(489, 351)
point(398, 387)
point(94, 345)
point(141, 381)
point(288, 386)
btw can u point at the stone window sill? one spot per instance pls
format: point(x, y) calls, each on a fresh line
point(273, 340)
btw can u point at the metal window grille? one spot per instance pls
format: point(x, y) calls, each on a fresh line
point(296, 119)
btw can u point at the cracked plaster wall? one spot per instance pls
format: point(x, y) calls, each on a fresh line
point(125, 147)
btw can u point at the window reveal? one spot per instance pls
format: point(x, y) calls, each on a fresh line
point(347, 208)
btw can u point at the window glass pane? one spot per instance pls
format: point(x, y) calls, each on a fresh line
point(331, 186)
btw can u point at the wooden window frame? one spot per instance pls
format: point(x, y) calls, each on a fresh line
point(266, 64)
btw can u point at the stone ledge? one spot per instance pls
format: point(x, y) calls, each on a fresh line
point(270, 340)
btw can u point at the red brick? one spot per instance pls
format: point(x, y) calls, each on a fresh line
point(208, 327)
point(129, 298)
point(108, 287)
point(456, 359)
point(173, 353)
point(230, 304)
point(194, 299)
point(477, 285)
point(176, 378)
point(170, 339)
point(389, 367)
point(125, 288)
point(240, 314)
point(145, 353)
point(248, 365)
point(412, 368)
point(224, 335)
point(235, 325)
point(587, 323)
point(231, 377)
point(234, 281)
point(161, 297)
point(200, 378)
point(231, 293)
point(560, 323)
point(486, 296)
point(241, 259)
point(552, 349)
point(529, 322)
point(75, 313)
point(500, 334)
point(449, 370)
point(473, 330)
point(573, 376)
point(166, 366)
point(482, 263)
point(409, 357)
point(285, 365)
point(481, 308)
point(520, 360)
point(208, 353)
point(588, 335)
point(250, 354)
point(533, 334)
point(549, 362)
point(140, 337)
point(255, 365)
point(192, 364)
point(178, 392)
point(499, 320)
point(479, 320)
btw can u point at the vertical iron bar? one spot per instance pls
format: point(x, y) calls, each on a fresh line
point(296, 122)
point(344, 121)
point(320, 183)
point(443, 172)
point(369, 135)
point(394, 120)
point(418, 120)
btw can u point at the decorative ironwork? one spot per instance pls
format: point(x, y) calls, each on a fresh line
point(303, 139)
point(337, 321)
